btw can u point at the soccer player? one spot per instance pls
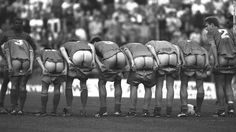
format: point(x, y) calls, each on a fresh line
point(19, 49)
point(54, 70)
point(195, 65)
point(142, 65)
point(111, 62)
point(224, 58)
point(79, 56)
point(4, 75)
point(167, 56)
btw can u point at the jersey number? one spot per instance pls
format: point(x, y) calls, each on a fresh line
point(19, 42)
point(224, 33)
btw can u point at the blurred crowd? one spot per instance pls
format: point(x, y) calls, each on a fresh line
point(53, 22)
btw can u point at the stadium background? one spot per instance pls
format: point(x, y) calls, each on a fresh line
point(53, 22)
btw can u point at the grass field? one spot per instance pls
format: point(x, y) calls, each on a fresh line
point(76, 123)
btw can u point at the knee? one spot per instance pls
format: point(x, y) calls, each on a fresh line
point(44, 93)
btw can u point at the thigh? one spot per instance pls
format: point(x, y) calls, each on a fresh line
point(139, 62)
point(164, 58)
point(201, 60)
point(173, 59)
point(50, 66)
point(190, 60)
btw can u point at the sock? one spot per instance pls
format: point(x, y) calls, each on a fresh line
point(117, 107)
point(200, 98)
point(184, 108)
point(69, 97)
point(168, 110)
point(56, 100)
point(103, 109)
point(145, 111)
point(230, 105)
point(13, 98)
point(22, 96)
point(44, 100)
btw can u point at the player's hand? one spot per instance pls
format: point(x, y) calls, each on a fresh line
point(45, 71)
point(93, 65)
point(103, 68)
point(155, 67)
point(29, 71)
point(208, 67)
point(133, 68)
point(70, 63)
point(10, 69)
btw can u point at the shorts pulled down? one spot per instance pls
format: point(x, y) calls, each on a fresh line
point(146, 77)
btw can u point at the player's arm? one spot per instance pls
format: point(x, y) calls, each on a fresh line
point(65, 56)
point(178, 54)
point(214, 52)
point(93, 53)
point(207, 57)
point(40, 62)
point(64, 72)
point(6, 50)
point(130, 57)
point(152, 50)
point(31, 59)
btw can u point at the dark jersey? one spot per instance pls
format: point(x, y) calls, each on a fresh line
point(138, 50)
point(72, 47)
point(224, 41)
point(162, 47)
point(19, 49)
point(51, 55)
point(106, 49)
point(189, 47)
point(15, 35)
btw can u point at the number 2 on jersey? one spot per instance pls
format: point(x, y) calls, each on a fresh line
point(224, 33)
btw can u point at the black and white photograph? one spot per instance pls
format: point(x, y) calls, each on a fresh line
point(117, 65)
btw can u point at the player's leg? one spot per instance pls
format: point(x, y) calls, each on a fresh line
point(229, 94)
point(69, 96)
point(118, 96)
point(14, 94)
point(44, 98)
point(200, 96)
point(25, 66)
point(158, 96)
point(220, 84)
point(120, 60)
point(170, 94)
point(3, 91)
point(57, 95)
point(83, 95)
point(103, 98)
point(22, 92)
point(147, 101)
point(133, 99)
point(184, 95)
